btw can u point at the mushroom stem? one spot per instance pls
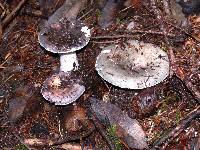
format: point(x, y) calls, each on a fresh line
point(68, 62)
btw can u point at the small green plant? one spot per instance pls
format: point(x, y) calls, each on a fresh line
point(178, 116)
point(168, 98)
point(98, 13)
point(164, 48)
point(163, 106)
point(118, 21)
point(111, 133)
point(21, 147)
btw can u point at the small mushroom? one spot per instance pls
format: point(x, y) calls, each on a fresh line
point(133, 65)
point(62, 88)
point(64, 34)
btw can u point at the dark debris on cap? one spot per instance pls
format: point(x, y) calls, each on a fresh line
point(65, 36)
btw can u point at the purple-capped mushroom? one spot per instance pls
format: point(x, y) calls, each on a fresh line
point(135, 65)
point(62, 33)
point(65, 38)
point(62, 88)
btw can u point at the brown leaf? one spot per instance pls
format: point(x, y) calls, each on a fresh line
point(128, 129)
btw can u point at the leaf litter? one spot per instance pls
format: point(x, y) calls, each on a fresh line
point(25, 64)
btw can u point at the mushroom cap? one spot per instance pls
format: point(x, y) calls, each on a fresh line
point(64, 36)
point(62, 88)
point(133, 65)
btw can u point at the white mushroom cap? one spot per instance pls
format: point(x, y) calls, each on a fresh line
point(135, 65)
point(64, 36)
point(62, 88)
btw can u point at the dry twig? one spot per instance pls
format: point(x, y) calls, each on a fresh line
point(44, 142)
point(126, 35)
point(73, 138)
point(151, 32)
point(11, 16)
point(176, 131)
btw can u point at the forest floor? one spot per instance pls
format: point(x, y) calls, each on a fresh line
point(170, 119)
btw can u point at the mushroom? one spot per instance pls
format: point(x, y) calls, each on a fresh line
point(65, 38)
point(64, 34)
point(133, 65)
point(62, 88)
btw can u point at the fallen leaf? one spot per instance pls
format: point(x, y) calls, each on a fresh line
point(128, 129)
point(18, 104)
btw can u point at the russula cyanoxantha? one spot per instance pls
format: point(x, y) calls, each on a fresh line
point(62, 88)
point(64, 34)
point(65, 38)
point(135, 65)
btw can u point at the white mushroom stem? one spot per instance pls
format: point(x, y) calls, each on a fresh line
point(68, 62)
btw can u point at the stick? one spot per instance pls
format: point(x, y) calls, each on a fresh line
point(113, 36)
point(131, 36)
point(44, 142)
point(12, 14)
point(85, 14)
point(21, 141)
point(72, 138)
point(176, 131)
point(104, 42)
point(10, 17)
point(151, 32)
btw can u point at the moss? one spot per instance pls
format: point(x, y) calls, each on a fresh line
point(98, 13)
point(170, 98)
point(21, 147)
point(178, 116)
point(111, 133)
